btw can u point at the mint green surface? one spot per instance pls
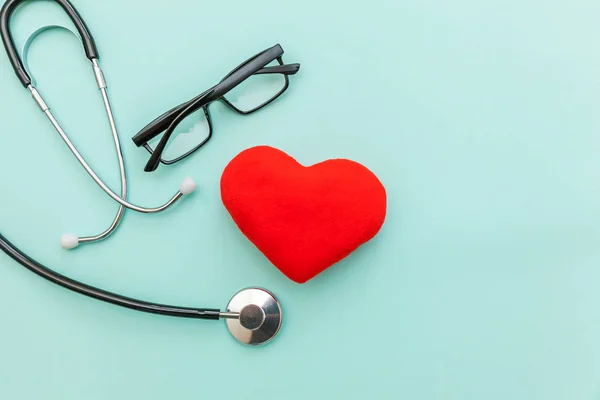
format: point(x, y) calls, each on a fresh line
point(480, 117)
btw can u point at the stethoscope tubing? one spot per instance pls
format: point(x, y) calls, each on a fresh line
point(103, 295)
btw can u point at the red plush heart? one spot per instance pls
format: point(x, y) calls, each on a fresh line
point(302, 218)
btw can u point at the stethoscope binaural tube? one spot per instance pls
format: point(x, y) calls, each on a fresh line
point(253, 315)
point(70, 241)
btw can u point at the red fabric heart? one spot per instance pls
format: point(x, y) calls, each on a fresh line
point(302, 218)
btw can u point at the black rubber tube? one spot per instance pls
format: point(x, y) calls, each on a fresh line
point(100, 294)
point(5, 13)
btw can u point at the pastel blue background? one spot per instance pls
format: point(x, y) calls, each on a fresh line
point(480, 117)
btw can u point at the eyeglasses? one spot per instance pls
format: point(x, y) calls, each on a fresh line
point(248, 88)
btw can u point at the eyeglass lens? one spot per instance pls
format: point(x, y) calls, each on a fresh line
point(190, 133)
point(256, 91)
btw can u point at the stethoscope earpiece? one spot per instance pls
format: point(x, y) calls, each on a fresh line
point(253, 316)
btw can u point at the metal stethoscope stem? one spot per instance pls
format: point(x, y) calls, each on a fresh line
point(71, 241)
point(102, 86)
point(19, 63)
point(122, 172)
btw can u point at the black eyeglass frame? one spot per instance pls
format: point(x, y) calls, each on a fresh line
point(255, 65)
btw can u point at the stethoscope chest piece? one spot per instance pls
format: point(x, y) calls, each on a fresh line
point(259, 319)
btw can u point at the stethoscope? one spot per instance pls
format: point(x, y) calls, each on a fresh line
point(253, 315)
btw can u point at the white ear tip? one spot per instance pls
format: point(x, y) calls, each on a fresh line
point(187, 186)
point(69, 241)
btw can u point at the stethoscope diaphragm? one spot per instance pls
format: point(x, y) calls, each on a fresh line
point(259, 316)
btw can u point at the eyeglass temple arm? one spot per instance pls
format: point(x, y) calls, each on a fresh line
point(286, 69)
